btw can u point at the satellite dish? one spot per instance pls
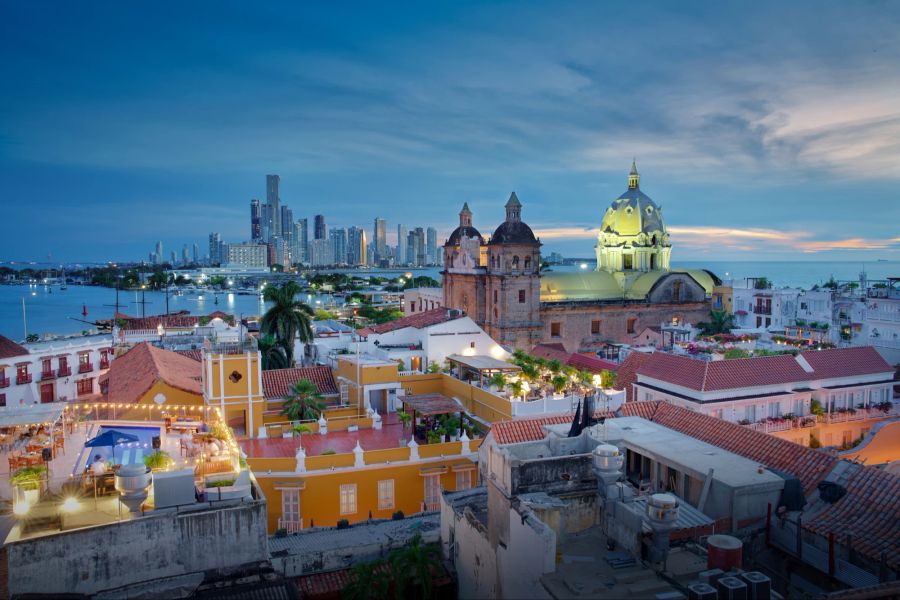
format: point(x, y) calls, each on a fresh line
point(159, 398)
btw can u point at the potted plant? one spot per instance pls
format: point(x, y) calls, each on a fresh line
point(559, 383)
point(433, 437)
point(516, 388)
point(451, 426)
point(498, 382)
point(158, 460)
point(27, 482)
point(299, 429)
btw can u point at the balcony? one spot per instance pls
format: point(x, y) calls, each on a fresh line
point(23, 379)
point(104, 363)
point(64, 371)
point(85, 367)
point(289, 525)
point(4, 382)
point(759, 309)
point(45, 375)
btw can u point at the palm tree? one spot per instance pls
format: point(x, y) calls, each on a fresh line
point(415, 566)
point(367, 581)
point(516, 388)
point(498, 380)
point(530, 372)
point(288, 318)
point(719, 322)
point(554, 365)
point(304, 402)
point(559, 383)
point(273, 356)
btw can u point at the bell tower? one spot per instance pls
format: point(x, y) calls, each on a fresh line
point(633, 177)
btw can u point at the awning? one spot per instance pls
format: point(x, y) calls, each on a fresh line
point(432, 404)
point(31, 414)
point(483, 363)
point(433, 470)
point(290, 485)
point(464, 467)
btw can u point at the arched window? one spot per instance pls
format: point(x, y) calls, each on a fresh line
point(527, 264)
point(515, 265)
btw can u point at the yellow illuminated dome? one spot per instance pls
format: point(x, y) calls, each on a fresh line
point(633, 212)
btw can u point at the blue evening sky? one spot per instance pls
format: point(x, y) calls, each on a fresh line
point(765, 130)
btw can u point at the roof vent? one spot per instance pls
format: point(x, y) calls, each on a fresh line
point(803, 363)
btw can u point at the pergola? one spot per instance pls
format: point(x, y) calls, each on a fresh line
point(481, 368)
point(429, 406)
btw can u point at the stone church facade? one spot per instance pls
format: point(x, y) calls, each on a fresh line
point(497, 281)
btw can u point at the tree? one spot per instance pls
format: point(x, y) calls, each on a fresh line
point(529, 372)
point(607, 379)
point(288, 318)
point(367, 581)
point(273, 356)
point(719, 322)
point(157, 281)
point(498, 380)
point(554, 365)
point(559, 383)
point(762, 283)
point(414, 567)
point(516, 388)
point(304, 402)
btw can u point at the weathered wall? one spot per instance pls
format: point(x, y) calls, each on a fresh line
point(164, 545)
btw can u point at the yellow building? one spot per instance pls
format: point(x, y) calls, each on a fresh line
point(723, 298)
point(232, 382)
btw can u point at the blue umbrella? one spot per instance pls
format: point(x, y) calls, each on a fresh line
point(111, 438)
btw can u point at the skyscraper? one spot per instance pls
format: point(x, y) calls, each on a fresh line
point(255, 225)
point(380, 239)
point(415, 248)
point(215, 244)
point(274, 201)
point(184, 255)
point(431, 257)
point(339, 245)
point(321, 253)
point(159, 253)
point(287, 225)
point(299, 242)
point(196, 254)
point(319, 230)
point(401, 245)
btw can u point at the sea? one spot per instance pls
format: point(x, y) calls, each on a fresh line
point(44, 309)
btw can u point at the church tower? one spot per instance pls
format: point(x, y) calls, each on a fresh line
point(513, 285)
point(465, 255)
point(633, 236)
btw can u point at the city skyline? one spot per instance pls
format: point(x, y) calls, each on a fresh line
point(759, 135)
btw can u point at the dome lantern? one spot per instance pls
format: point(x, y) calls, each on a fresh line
point(633, 177)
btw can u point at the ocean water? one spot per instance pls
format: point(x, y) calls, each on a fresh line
point(51, 310)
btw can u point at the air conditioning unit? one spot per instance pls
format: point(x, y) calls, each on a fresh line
point(758, 585)
point(732, 588)
point(702, 591)
point(711, 576)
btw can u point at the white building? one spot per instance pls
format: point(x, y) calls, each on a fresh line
point(882, 322)
point(417, 300)
point(54, 370)
point(321, 253)
point(753, 389)
point(767, 308)
point(248, 255)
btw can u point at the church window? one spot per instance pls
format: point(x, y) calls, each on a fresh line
point(495, 296)
point(676, 291)
point(496, 313)
point(630, 324)
point(515, 262)
point(527, 263)
point(555, 329)
point(521, 296)
point(595, 327)
point(627, 260)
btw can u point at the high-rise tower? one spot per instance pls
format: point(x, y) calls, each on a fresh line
point(274, 201)
point(320, 232)
point(255, 225)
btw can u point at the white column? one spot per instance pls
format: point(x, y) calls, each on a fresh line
point(358, 456)
point(301, 460)
point(465, 442)
point(413, 449)
point(323, 425)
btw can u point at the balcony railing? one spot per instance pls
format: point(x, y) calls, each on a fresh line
point(4, 382)
point(290, 526)
point(762, 310)
point(64, 371)
point(85, 367)
point(47, 375)
point(104, 363)
point(21, 379)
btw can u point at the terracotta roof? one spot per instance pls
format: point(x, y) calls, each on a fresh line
point(531, 430)
point(135, 372)
point(418, 321)
point(846, 362)
point(10, 349)
point(626, 374)
point(551, 352)
point(277, 383)
point(591, 363)
point(869, 512)
point(192, 354)
point(181, 319)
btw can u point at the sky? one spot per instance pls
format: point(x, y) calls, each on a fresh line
point(765, 130)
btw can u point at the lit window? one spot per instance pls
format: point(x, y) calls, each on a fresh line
point(463, 480)
point(348, 499)
point(386, 494)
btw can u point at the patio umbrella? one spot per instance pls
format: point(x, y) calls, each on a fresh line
point(110, 438)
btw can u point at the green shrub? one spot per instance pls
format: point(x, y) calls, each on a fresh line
point(220, 483)
point(28, 477)
point(343, 524)
point(158, 460)
point(328, 452)
point(398, 516)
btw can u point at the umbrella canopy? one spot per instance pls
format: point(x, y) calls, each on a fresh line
point(111, 438)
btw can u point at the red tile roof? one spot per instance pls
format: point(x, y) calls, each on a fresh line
point(870, 512)
point(626, 374)
point(714, 375)
point(131, 375)
point(192, 354)
point(418, 321)
point(531, 430)
point(277, 383)
point(181, 319)
point(846, 362)
point(591, 363)
point(551, 352)
point(10, 349)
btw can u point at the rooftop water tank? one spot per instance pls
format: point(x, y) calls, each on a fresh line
point(724, 552)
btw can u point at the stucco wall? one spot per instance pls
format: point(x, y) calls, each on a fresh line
point(160, 546)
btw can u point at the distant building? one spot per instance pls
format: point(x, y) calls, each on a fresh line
point(174, 258)
point(215, 247)
point(255, 225)
point(339, 245)
point(159, 253)
point(401, 256)
point(416, 300)
point(321, 253)
point(431, 246)
point(299, 242)
point(279, 252)
point(287, 225)
point(320, 232)
point(380, 239)
point(196, 253)
point(248, 254)
point(273, 200)
point(356, 246)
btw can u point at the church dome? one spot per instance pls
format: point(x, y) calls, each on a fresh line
point(633, 213)
point(465, 228)
point(513, 230)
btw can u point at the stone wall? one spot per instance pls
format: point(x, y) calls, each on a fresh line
point(161, 546)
